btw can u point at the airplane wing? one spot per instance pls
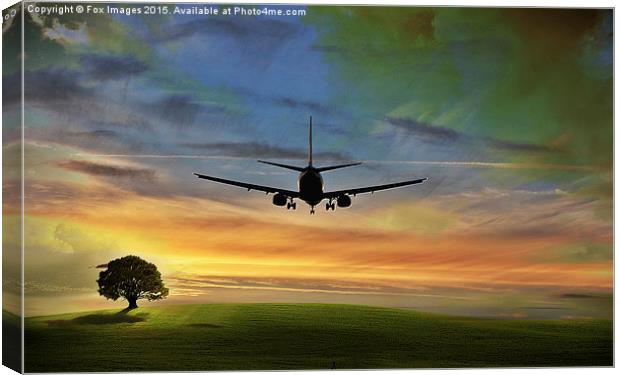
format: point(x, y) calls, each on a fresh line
point(266, 189)
point(372, 189)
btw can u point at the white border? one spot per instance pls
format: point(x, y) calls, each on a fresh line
point(478, 3)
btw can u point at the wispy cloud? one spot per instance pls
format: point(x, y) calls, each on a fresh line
point(182, 109)
point(107, 170)
point(436, 133)
point(50, 85)
point(335, 286)
point(260, 150)
point(111, 67)
point(498, 165)
point(241, 28)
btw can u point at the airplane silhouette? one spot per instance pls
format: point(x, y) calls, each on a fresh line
point(310, 185)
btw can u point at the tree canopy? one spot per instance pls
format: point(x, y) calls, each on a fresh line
point(131, 278)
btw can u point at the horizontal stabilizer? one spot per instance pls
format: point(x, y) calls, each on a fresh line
point(299, 169)
point(331, 167)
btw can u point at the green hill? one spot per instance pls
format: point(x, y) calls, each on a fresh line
point(304, 336)
point(11, 341)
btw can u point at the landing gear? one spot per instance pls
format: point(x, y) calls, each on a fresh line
point(291, 205)
point(330, 206)
point(311, 210)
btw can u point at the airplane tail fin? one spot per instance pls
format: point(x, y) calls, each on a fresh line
point(332, 167)
point(300, 169)
point(322, 169)
point(295, 168)
point(310, 144)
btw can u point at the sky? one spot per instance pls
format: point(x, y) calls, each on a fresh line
point(508, 112)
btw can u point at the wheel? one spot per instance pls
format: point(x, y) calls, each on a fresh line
point(294, 205)
point(327, 206)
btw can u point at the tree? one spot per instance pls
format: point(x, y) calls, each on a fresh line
point(131, 278)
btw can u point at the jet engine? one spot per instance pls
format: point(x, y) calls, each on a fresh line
point(279, 199)
point(344, 201)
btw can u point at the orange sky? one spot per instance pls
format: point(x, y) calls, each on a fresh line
point(404, 249)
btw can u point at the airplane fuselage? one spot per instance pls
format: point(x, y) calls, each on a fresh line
point(310, 185)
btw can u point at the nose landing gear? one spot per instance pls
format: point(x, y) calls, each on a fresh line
point(311, 210)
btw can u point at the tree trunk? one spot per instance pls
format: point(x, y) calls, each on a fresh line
point(132, 303)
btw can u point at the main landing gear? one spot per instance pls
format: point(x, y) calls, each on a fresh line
point(291, 205)
point(330, 205)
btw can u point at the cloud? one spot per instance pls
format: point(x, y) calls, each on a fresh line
point(67, 95)
point(291, 284)
point(255, 39)
point(261, 150)
point(545, 308)
point(494, 165)
point(234, 26)
point(54, 85)
point(107, 170)
point(577, 296)
point(440, 134)
point(492, 75)
point(111, 67)
point(120, 139)
point(581, 252)
point(592, 253)
point(95, 134)
point(181, 110)
point(46, 85)
point(124, 121)
point(88, 138)
point(59, 198)
point(524, 214)
point(313, 107)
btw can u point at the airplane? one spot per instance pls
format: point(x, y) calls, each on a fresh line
point(310, 185)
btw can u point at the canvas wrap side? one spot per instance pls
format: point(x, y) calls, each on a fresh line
point(12, 326)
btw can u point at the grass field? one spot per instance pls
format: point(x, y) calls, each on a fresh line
point(11, 341)
point(304, 336)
